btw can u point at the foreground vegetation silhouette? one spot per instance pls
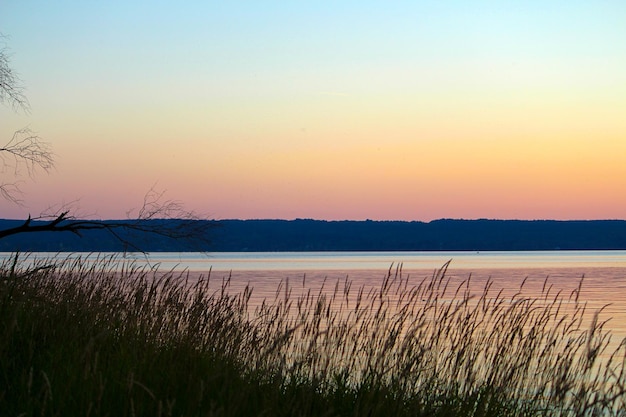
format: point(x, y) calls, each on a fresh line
point(108, 337)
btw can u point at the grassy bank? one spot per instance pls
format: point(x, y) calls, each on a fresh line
point(113, 339)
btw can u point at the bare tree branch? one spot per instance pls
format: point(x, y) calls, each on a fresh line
point(25, 149)
point(11, 192)
point(11, 90)
point(156, 218)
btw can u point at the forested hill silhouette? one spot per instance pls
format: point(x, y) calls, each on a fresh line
point(319, 235)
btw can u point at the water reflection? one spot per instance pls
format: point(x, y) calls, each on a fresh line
point(308, 261)
point(601, 287)
point(604, 271)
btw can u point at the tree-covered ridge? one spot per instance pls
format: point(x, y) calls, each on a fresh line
point(320, 235)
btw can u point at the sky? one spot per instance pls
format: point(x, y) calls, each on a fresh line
point(413, 110)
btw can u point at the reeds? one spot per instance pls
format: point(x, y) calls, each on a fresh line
point(109, 337)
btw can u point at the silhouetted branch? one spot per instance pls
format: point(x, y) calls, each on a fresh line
point(27, 151)
point(156, 217)
point(11, 90)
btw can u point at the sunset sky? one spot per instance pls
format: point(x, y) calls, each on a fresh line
point(329, 110)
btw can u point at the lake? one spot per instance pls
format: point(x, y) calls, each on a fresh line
point(331, 261)
point(604, 272)
point(544, 275)
point(348, 261)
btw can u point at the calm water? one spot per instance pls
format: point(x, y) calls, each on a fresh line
point(604, 272)
point(332, 261)
point(349, 261)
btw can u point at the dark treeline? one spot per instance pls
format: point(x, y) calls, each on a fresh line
point(318, 235)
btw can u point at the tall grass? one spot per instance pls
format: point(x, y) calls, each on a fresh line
point(111, 338)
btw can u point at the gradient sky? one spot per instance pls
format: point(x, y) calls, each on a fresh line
point(328, 110)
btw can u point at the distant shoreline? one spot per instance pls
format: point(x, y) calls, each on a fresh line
point(319, 235)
